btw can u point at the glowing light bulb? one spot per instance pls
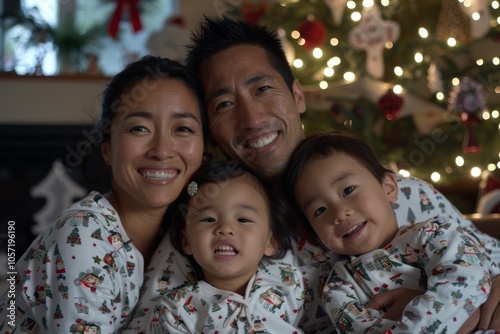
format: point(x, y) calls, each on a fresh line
point(435, 176)
point(329, 72)
point(323, 85)
point(334, 41)
point(455, 81)
point(368, 3)
point(423, 32)
point(459, 161)
point(356, 16)
point(349, 76)
point(404, 172)
point(475, 172)
point(491, 167)
point(440, 96)
point(451, 42)
point(479, 62)
point(317, 53)
point(398, 89)
point(419, 57)
point(398, 71)
point(298, 63)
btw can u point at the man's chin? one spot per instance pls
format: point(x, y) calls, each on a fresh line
point(267, 170)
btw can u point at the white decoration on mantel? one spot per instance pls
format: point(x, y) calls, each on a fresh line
point(59, 191)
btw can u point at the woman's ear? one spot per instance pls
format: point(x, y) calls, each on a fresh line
point(390, 186)
point(105, 152)
point(272, 246)
point(186, 247)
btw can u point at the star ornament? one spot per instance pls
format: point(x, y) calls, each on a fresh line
point(371, 35)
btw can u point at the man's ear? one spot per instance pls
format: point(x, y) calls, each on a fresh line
point(298, 95)
point(272, 246)
point(390, 186)
point(186, 247)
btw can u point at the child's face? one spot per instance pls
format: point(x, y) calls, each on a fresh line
point(345, 204)
point(228, 232)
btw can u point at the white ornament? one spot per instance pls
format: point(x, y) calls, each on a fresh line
point(434, 81)
point(59, 191)
point(371, 35)
point(337, 7)
point(479, 28)
point(287, 46)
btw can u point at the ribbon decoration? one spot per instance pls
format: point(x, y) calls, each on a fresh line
point(121, 7)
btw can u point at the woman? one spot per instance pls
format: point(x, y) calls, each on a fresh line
point(85, 271)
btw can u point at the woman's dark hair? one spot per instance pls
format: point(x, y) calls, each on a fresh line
point(115, 100)
point(323, 145)
point(217, 172)
point(221, 33)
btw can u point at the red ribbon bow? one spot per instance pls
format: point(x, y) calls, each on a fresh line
point(121, 7)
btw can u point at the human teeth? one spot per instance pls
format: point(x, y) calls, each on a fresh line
point(225, 250)
point(261, 142)
point(158, 175)
point(354, 228)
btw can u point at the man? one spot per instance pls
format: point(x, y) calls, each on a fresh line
point(253, 102)
point(254, 105)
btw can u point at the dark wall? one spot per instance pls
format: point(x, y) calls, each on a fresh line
point(28, 153)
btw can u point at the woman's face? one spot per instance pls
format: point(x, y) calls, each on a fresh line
point(156, 143)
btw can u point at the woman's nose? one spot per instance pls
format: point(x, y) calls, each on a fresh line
point(161, 147)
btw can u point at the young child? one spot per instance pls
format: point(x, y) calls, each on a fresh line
point(345, 194)
point(230, 227)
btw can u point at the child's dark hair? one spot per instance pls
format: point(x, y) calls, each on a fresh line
point(323, 145)
point(222, 171)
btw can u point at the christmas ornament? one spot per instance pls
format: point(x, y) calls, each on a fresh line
point(313, 32)
point(434, 81)
point(478, 28)
point(469, 101)
point(335, 110)
point(452, 22)
point(337, 7)
point(390, 104)
point(371, 35)
point(252, 10)
point(125, 7)
point(287, 46)
point(489, 194)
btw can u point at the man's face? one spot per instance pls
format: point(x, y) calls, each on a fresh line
point(253, 116)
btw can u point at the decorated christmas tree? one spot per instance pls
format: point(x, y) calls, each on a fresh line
point(419, 80)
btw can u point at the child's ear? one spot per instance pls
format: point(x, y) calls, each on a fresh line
point(186, 247)
point(272, 246)
point(390, 186)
